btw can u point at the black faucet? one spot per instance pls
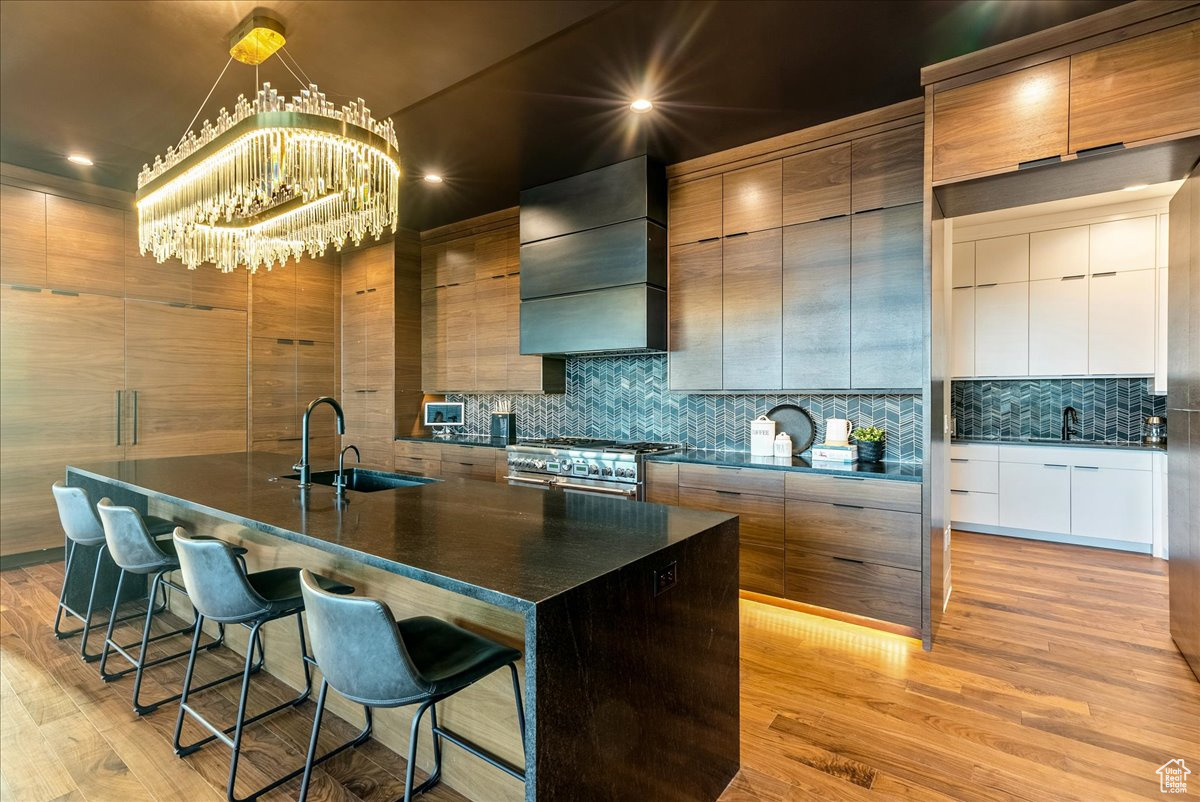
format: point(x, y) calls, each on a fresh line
point(340, 482)
point(303, 465)
point(1070, 417)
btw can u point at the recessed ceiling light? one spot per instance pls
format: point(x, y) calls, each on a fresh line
point(75, 158)
point(433, 178)
point(1134, 187)
point(641, 105)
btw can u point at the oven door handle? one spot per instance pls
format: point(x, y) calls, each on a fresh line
point(594, 489)
point(530, 480)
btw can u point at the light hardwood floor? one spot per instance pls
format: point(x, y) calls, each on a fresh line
point(1054, 677)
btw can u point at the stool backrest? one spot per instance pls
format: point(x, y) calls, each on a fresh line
point(358, 648)
point(129, 543)
point(77, 516)
point(216, 584)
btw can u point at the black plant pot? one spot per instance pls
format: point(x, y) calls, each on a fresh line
point(869, 451)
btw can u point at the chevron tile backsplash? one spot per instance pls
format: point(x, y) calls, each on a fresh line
point(626, 398)
point(1109, 409)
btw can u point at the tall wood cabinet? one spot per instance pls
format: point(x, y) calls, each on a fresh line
point(803, 273)
point(471, 316)
point(368, 352)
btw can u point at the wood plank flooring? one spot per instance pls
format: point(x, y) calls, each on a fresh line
point(1054, 677)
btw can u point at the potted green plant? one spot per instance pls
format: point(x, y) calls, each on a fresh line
point(870, 443)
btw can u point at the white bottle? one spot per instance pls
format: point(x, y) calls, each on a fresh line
point(783, 445)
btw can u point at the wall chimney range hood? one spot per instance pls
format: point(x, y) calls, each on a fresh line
point(594, 262)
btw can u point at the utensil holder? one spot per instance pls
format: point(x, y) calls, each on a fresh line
point(504, 426)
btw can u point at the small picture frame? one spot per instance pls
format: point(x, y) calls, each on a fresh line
point(444, 413)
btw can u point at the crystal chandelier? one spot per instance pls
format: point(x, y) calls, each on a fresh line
point(271, 181)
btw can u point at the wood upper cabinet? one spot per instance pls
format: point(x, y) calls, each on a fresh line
point(694, 308)
point(433, 339)
point(85, 247)
point(273, 293)
point(273, 377)
point(496, 253)
point(816, 184)
point(22, 236)
point(694, 211)
point(888, 169)
point(171, 282)
point(1144, 87)
point(492, 334)
point(188, 369)
point(1001, 122)
point(816, 305)
point(887, 292)
point(460, 307)
point(456, 262)
point(752, 334)
point(752, 198)
point(316, 299)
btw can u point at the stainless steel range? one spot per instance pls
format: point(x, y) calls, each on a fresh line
point(583, 465)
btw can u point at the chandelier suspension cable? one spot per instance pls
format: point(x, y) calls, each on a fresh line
point(196, 116)
point(303, 84)
point(284, 51)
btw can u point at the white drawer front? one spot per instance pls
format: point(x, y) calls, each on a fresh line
point(974, 451)
point(974, 508)
point(974, 475)
point(1065, 455)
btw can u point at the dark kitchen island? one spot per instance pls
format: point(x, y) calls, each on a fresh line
point(631, 682)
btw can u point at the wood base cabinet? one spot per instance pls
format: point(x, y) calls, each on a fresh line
point(854, 586)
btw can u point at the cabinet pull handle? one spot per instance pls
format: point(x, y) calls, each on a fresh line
point(135, 417)
point(307, 342)
point(849, 506)
point(739, 234)
point(728, 492)
point(68, 293)
point(727, 467)
point(961, 492)
point(708, 239)
point(118, 417)
point(1104, 275)
point(283, 341)
point(959, 459)
point(985, 286)
point(360, 292)
point(849, 560)
point(849, 478)
point(1087, 467)
point(362, 391)
point(372, 289)
point(1073, 278)
point(1053, 465)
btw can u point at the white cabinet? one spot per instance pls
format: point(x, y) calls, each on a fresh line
point(1112, 503)
point(1162, 240)
point(980, 476)
point(1124, 245)
point(1002, 330)
point(962, 264)
point(970, 507)
point(1035, 496)
point(1058, 253)
point(1160, 336)
point(1121, 327)
point(1058, 327)
point(1002, 260)
point(962, 332)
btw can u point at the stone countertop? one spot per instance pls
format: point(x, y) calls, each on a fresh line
point(510, 546)
point(1018, 441)
point(461, 440)
point(900, 471)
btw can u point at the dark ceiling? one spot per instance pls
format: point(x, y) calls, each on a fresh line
point(496, 96)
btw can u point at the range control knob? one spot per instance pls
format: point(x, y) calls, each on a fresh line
point(608, 471)
point(594, 470)
point(566, 467)
point(539, 464)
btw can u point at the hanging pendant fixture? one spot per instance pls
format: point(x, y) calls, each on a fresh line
point(273, 180)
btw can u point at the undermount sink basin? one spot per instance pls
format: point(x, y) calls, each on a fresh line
point(366, 481)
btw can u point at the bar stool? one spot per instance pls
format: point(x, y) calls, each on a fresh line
point(222, 591)
point(369, 657)
point(136, 552)
point(83, 529)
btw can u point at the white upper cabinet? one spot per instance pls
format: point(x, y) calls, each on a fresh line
point(1002, 330)
point(1058, 327)
point(1121, 323)
point(1122, 245)
point(963, 264)
point(1002, 260)
point(962, 332)
point(1162, 240)
point(1058, 253)
point(1160, 338)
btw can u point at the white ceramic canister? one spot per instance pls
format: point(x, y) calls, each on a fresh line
point(762, 437)
point(783, 445)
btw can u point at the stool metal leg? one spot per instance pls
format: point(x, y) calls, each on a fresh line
point(311, 759)
point(59, 632)
point(520, 707)
point(410, 769)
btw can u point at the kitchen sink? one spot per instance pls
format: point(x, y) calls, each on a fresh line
point(366, 481)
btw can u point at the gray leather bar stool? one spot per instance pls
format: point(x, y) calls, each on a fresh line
point(369, 657)
point(137, 553)
point(223, 592)
point(83, 529)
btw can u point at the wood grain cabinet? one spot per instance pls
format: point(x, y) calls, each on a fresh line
point(695, 211)
point(22, 236)
point(888, 169)
point(85, 247)
point(752, 199)
point(752, 335)
point(1001, 122)
point(171, 282)
point(1142, 88)
point(887, 299)
point(451, 460)
point(695, 306)
point(368, 352)
point(816, 304)
point(662, 483)
point(816, 185)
